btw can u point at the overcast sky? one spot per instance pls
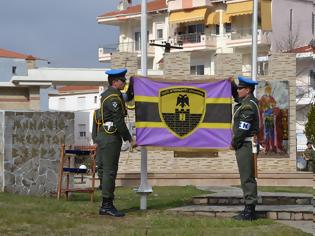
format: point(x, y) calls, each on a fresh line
point(64, 32)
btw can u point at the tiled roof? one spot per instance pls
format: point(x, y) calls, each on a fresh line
point(10, 54)
point(303, 49)
point(151, 6)
point(78, 88)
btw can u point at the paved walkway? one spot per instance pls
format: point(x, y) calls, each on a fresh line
point(305, 226)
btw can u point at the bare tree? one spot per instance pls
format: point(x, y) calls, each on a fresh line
point(290, 41)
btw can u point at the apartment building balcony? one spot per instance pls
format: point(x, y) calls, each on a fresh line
point(243, 37)
point(176, 5)
point(105, 52)
point(194, 41)
point(304, 95)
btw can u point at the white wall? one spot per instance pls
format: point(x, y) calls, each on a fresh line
point(303, 66)
point(6, 65)
point(301, 21)
point(83, 105)
point(75, 102)
point(83, 122)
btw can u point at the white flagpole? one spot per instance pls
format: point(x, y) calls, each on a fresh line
point(254, 65)
point(144, 188)
point(254, 39)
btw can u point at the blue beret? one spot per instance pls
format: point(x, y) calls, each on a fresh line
point(117, 73)
point(246, 82)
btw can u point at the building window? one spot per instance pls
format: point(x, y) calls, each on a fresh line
point(13, 70)
point(62, 103)
point(82, 134)
point(95, 99)
point(82, 130)
point(228, 28)
point(159, 34)
point(312, 79)
point(81, 103)
point(217, 29)
point(138, 40)
point(199, 29)
point(262, 68)
point(197, 70)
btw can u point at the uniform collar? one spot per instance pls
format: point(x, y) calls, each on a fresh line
point(114, 90)
point(250, 96)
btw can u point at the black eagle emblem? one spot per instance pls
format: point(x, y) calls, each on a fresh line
point(182, 100)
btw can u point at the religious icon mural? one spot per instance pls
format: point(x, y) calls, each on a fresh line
point(273, 99)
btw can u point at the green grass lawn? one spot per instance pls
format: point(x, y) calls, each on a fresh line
point(285, 189)
point(24, 215)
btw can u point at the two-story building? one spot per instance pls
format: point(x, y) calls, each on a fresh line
point(15, 95)
point(26, 83)
point(305, 90)
point(207, 27)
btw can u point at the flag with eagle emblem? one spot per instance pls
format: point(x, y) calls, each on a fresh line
point(191, 114)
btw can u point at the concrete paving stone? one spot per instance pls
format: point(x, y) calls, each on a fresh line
point(269, 200)
point(209, 214)
point(284, 215)
point(298, 216)
point(230, 191)
point(303, 201)
point(272, 215)
point(307, 216)
point(266, 208)
point(223, 201)
point(305, 226)
point(187, 213)
point(236, 201)
point(200, 200)
point(213, 201)
point(225, 214)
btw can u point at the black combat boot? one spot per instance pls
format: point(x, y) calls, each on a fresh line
point(108, 208)
point(248, 213)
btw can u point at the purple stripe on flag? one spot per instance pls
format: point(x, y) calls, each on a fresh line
point(147, 87)
point(201, 138)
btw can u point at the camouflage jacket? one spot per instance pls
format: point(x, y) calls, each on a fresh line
point(113, 112)
point(97, 123)
point(245, 119)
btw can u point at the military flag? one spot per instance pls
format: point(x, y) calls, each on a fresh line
point(191, 114)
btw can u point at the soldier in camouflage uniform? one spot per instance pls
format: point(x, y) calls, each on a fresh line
point(309, 156)
point(245, 128)
point(109, 138)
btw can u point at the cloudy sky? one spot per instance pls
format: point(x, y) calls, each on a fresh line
point(64, 32)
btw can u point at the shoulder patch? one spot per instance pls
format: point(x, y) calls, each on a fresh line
point(115, 104)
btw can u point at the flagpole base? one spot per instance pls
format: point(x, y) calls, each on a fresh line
point(144, 192)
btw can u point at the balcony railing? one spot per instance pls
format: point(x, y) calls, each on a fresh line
point(105, 51)
point(304, 92)
point(245, 34)
point(124, 47)
point(188, 38)
point(241, 33)
point(195, 38)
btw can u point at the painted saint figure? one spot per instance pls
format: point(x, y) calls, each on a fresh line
point(271, 133)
